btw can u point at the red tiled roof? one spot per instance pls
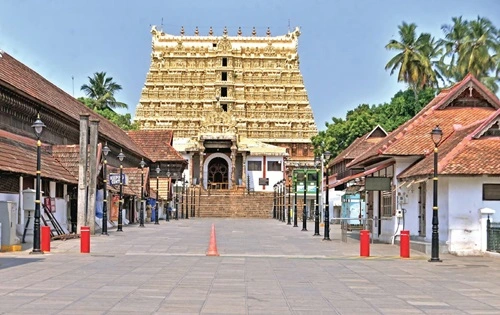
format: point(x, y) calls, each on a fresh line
point(15, 75)
point(462, 154)
point(18, 155)
point(133, 174)
point(357, 147)
point(413, 137)
point(68, 156)
point(157, 144)
point(362, 174)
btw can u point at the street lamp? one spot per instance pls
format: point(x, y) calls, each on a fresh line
point(182, 197)
point(120, 156)
point(278, 201)
point(167, 217)
point(104, 229)
point(141, 215)
point(158, 170)
point(274, 201)
point(295, 201)
point(186, 185)
point(436, 135)
point(317, 161)
point(326, 158)
point(289, 222)
point(304, 209)
point(38, 126)
point(283, 216)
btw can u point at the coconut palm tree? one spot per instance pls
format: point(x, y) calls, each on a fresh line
point(101, 90)
point(454, 37)
point(413, 59)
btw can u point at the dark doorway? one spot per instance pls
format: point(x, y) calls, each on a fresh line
point(218, 174)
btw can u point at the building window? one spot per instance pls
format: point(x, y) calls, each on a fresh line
point(224, 107)
point(59, 190)
point(224, 62)
point(305, 150)
point(223, 91)
point(254, 165)
point(491, 192)
point(274, 166)
point(224, 76)
point(386, 204)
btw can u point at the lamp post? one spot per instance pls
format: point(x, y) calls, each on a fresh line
point(326, 233)
point(105, 151)
point(167, 216)
point(182, 197)
point(274, 201)
point(186, 184)
point(141, 215)
point(278, 202)
point(176, 200)
point(289, 222)
point(158, 170)
point(304, 209)
point(295, 201)
point(38, 126)
point(283, 216)
point(436, 135)
point(317, 161)
point(120, 156)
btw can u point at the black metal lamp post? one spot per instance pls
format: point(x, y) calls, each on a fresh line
point(104, 231)
point(176, 200)
point(158, 170)
point(186, 184)
point(38, 126)
point(167, 217)
point(317, 161)
point(283, 216)
point(274, 201)
point(326, 233)
point(304, 209)
point(141, 215)
point(182, 197)
point(121, 156)
point(278, 202)
point(289, 219)
point(295, 201)
point(436, 135)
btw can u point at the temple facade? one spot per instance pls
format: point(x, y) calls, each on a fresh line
point(237, 105)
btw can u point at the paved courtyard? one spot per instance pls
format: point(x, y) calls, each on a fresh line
point(264, 267)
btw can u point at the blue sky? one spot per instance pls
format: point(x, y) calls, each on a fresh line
point(342, 54)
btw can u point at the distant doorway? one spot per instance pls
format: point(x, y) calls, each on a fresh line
point(218, 174)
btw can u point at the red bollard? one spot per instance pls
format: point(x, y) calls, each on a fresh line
point(85, 239)
point(404, 244)
point(364, 243)
point(45, 236)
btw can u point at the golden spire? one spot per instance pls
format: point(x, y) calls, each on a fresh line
point(254, 32)
point(225, 31)
point(196, 31)
point(268, 32)
point(211, 31)
point(239, 31)
point(182, 30)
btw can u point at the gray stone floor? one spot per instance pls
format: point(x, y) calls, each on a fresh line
point(264, 267)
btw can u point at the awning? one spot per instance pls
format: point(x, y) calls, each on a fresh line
point(362, 174)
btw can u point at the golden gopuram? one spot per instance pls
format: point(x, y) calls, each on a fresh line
point(237, 105)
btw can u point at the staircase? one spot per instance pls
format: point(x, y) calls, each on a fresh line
point(234, 203)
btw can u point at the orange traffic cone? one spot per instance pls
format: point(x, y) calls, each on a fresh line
point(212, 246)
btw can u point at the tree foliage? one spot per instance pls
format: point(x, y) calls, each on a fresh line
point(466, 47)
point(101, 90)
point(122, 121)
point(340, 133)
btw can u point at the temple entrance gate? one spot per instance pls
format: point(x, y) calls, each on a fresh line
point(217, 172)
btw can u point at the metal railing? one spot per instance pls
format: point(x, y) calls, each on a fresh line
point(493, 236)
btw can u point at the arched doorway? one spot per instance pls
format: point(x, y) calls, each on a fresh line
point(218, 173)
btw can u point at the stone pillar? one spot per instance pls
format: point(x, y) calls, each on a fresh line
point(202, 159)
point(244, 169)
point(94, 132)
point(82, 172)
point(233, 166)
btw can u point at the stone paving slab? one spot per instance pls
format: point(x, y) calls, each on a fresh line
point(264, 267)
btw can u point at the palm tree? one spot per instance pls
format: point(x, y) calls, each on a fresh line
point(413, 59)
point(472, 47)
point(102, 91)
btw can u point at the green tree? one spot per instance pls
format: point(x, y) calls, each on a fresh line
point(122, 121)
point(101, 90)
point(413, 58)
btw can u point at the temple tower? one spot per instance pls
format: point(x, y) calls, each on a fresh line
point(229, 94)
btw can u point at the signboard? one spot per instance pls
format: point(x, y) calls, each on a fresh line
point(114, 179)
point(263, 181)
point(378, 183)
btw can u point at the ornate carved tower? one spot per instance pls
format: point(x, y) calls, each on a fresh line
point(253, 79)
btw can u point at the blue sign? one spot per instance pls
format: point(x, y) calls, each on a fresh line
point(114, 179)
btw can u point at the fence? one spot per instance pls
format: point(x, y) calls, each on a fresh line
point(493, 236)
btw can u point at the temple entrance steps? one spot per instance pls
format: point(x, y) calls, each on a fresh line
point(234, 203)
